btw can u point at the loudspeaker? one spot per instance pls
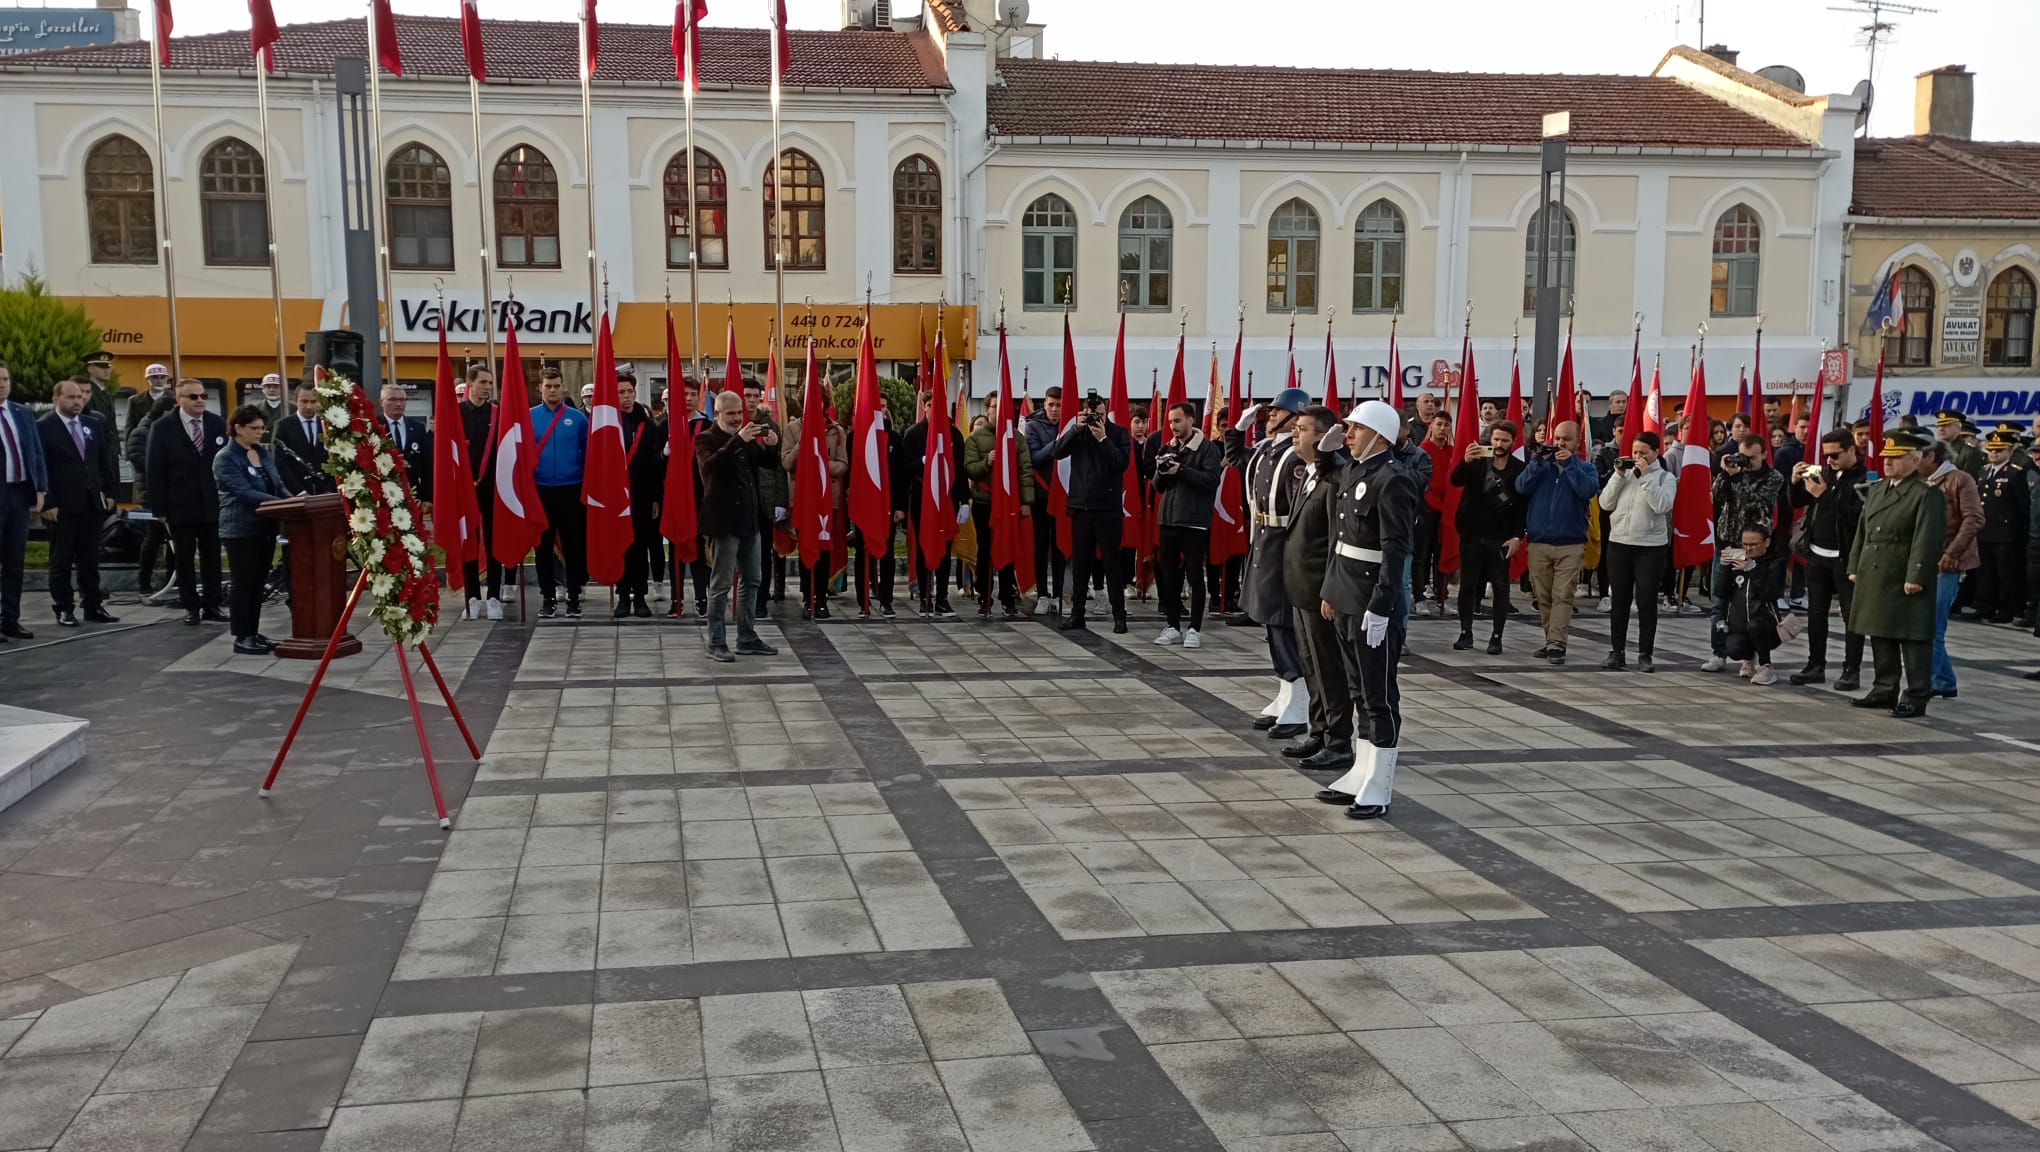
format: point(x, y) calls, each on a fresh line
point(337, 350)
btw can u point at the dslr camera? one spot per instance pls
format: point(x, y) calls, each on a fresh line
point(1094, 409)
point(1168, 462)
point(1545, 451)
point(1735, 460)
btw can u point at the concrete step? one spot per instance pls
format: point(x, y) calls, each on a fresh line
point(34, 747)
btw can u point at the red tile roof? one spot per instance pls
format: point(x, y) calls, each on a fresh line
point(1934, 177)
point(535, 52)
point(1062, 98)
point(950, 14)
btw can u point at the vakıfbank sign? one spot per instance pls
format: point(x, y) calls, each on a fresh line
point(39, 29)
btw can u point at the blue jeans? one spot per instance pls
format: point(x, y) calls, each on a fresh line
point(728, 556)
point(1944, 600)
point(1722, 588)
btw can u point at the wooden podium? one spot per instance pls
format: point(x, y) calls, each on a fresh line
point(316, 527)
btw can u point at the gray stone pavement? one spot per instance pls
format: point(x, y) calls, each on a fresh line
point(991, 887)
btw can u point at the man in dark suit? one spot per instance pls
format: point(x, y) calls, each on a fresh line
point(24, 480)
point(301, 445)
point(78, 448)
point(410, 437)
point(181, 493)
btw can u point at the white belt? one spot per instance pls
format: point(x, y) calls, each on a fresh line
point(1270, 521)
point(1824, 553)
point(1355, 552)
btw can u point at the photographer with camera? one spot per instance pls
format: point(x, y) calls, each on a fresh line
point(731, 453)
point(1831, 493)
point(1746, 492)
point(1040, 429)
point(1490, 527)
point(1187, 469)
point(1561, 487)
point(1097, 451)
point(1638, 498)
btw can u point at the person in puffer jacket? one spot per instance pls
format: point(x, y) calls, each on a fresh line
point(1638, 498)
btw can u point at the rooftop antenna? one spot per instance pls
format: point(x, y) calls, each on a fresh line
point(1878, 28)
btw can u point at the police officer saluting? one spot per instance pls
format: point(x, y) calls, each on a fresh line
point(1274, 484)
point(1373, 527)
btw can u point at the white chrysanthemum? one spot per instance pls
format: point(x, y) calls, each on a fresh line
point(400, 517)
point(392, 493)
point(384, 465)
point(362, 521)
point(352, 485)
point(415, 545)
point(383, 585)
point(336, 416)
point(375, 552)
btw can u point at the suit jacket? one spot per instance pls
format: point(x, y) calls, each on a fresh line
point(302, 462)
point(417, 454)
point(28, 442)
point(181, 487)
point(78, 482)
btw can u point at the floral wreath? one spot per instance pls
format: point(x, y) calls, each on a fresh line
point(384, 530)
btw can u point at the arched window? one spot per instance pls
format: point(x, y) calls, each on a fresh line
point(1738, 236)
point(1293, 258)
point(1564, 247)
point(1048, 253)
point(803, 216)
point(2008, 320)
point(1911, 346)
point(1147, 241)
point(527, 210)
point(1378, 258)
point(231, 190)
point(420, 190)
point(120, 202)
point(711, 211)
point(917, 216)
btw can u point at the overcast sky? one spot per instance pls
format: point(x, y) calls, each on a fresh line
point(1994, 38)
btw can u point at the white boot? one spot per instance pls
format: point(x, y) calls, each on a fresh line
point(1284, 690)
point(1297, 711)
point(1371, 781)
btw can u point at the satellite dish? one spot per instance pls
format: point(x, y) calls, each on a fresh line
point(1013, 13)
point(1863, 94)
point(1785, 76)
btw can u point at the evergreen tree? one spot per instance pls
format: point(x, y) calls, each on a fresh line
point(43, 339)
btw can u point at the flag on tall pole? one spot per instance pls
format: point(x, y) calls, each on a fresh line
point(871, 464)
point(687, 18)
point(1633, 416)
point(733, 372)
point(456, 509)
point(1331, 366)
point(1056, 473)
point(1563, 408)
point(1742, 390)
point(262, 32)
point(1875, 414)
point(1466, 431)
point(471, 41)
point(606, 490)
point(1119, 406)
point(1005, 479)
point(591, 41)
point(1228, 511)
point(782, 40)
point(678, 520)
point(937, 513)
point(1693, 508)
point(519, 518)
point(387, 53)
point(814, 508)
point(162, 35)
point(1290, 378)
point(1519, 564)
point(1759, 422)
point(1025, 573)
point(1394, 392)
point(1654, 407)
point(1813, 425)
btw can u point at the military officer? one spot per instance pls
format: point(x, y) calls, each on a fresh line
point(1949, 425)
point(1274, 482)
point(99, 394)
point(2001, 578)
point(1373, 528)
point(1894, 562)
point(274, 406)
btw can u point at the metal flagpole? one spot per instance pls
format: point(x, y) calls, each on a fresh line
point(163, 200)
point(482, 222)
point(687, 82)
point(269, 206)
point(776, 225)
point(588, 154)
point(377, 189)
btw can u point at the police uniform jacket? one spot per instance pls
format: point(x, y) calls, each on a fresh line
point(2006, 504)
point(1274, 480)
point(1374, 514)
point(1309, 547)
point(1899, 543)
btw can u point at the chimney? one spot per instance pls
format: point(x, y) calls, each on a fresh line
point(1944, 102)
point(1723, 53)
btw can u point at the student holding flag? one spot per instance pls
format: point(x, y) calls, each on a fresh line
point(929, 486)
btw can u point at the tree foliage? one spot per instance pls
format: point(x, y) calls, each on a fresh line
point(43, 339)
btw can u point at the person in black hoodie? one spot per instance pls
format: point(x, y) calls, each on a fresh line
point(910, 466)
point(1756, 580)
point(645, 466)
point(478, 425)
point(1187, 468)
point(1831, 494)
point(1490, 527)
point(1097, 450)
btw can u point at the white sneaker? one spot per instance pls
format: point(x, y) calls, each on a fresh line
point(474, 608)
point(1041, 605)
point(1192, 640)
point(1714, 664)
point(1764, 676)
point(1607, 605)
point(495, 608)
point(1168, 636)
point(1748, 669)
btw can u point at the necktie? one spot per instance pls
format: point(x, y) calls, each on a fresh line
point(197, 437)
point(312, 432)
point(397, 428)
point(77, 437)
point(14, 468)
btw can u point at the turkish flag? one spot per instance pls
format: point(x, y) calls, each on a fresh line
point(687, 18)
point(1759, 422)
point(733, 373)
point(677, 516)
point(1228, 511)
point(870, 459)
point(1632, 420)
point(1395, 396)
point(591, 37)
point(1466, 432)
point(1875, 414)
point(1331, 372)
point(162, 32)
point(1520, 563)
point(1654, 408)
point(938, 478)
point(1742, 392)
point(814, 508)
point(387, 53)
point(471, 40)
point(1007, 509)
point(1057, 476)
point(456, 510)
point(782, 41)
point(1024, 572)
point(262, 32)
point(1693, 510)
point(1562, 405)
point(605, 489)
point(519, 517)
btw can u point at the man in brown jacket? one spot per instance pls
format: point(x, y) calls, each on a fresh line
point(814, 583)
point(1958, 551)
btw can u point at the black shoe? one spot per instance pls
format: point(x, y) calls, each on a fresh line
point(191, 617)
point(721, 656)
point(642, 610)
point(1075, 623)
point(1614, 663)
point(1119, 625)
point(213, 616)
point(1850, 680)
point(249, 646)
point(1909, 709)
point(548, 610)
point(1643, 663)
point(822, 613)
point(101, 616)
point(1945, 693)
point(1542, 653)
point(1239, 620)
point(673, 613)
point(66, 618)
point(864, 613)
point(984, 609)
point(701, 607)
point(1263, 723)
point(1556, 655)
point(622, 609)
point(265, 641)
point(573, 609)
point(1287, 731)
point(1330, 758)
point(1494, 646)
point(885, 610)
point(2033, 675)
point(943, 610)
point(1811, 674)
point(1873, 702)
point(755, 648)
point(1330, 797)
point(16, 632)
point(1464, 643)
point(1305, 750)
point(1367, 812)
point(1012, 614)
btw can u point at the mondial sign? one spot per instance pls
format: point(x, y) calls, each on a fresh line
point(1982, 400)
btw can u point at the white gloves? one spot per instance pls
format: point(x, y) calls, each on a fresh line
point(1377, 628)
point(778, 514)
point(1333, 439)
point(1247, 418)
point(963, 516)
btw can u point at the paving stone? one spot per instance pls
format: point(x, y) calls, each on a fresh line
point(1444, 993)
point(716, 882)
point(1937, 1049)
point(187, 1049)
point(899, 1106)
point(1163, 1006)
point(423, 1126)
point(645, 1041)
point(1539, 1063)
point(468, 894)
point(1853, 1124)
point(644, 938)
point(1947, 963)
point(825, 927)
point(1652, 1066)
point(1520, 1134)
point(1532, 988)
point(965, 1019)
point(1451, 1081)
point(1412, 1138)
point(550, 943)
point(1235, 1088)
point(1011, 1104)
point(107, 1022)
point(531, 1050)
point(1746, 1128)
point(860, 1026)
point(740, 932)
point(526, 1121)
point(413, 1058)
point(632, 887)
point(663, 1117)
point(249, 978)
point(279, 1085)
point(783, 1112)
point(1980, 1019)
point(1625, 987)
point(1257, 1000)
point(442, 948)
point(756, 1033)
point(1165, 909)
point(1866, 968)
point(1740, 1057)
point(802, 878)
point(1794, 975)
point(1640, 1128)
point(1343, 1085)
point(136, 1121)
point(1351, 996)
point(555, 891)
point(43, 1093)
